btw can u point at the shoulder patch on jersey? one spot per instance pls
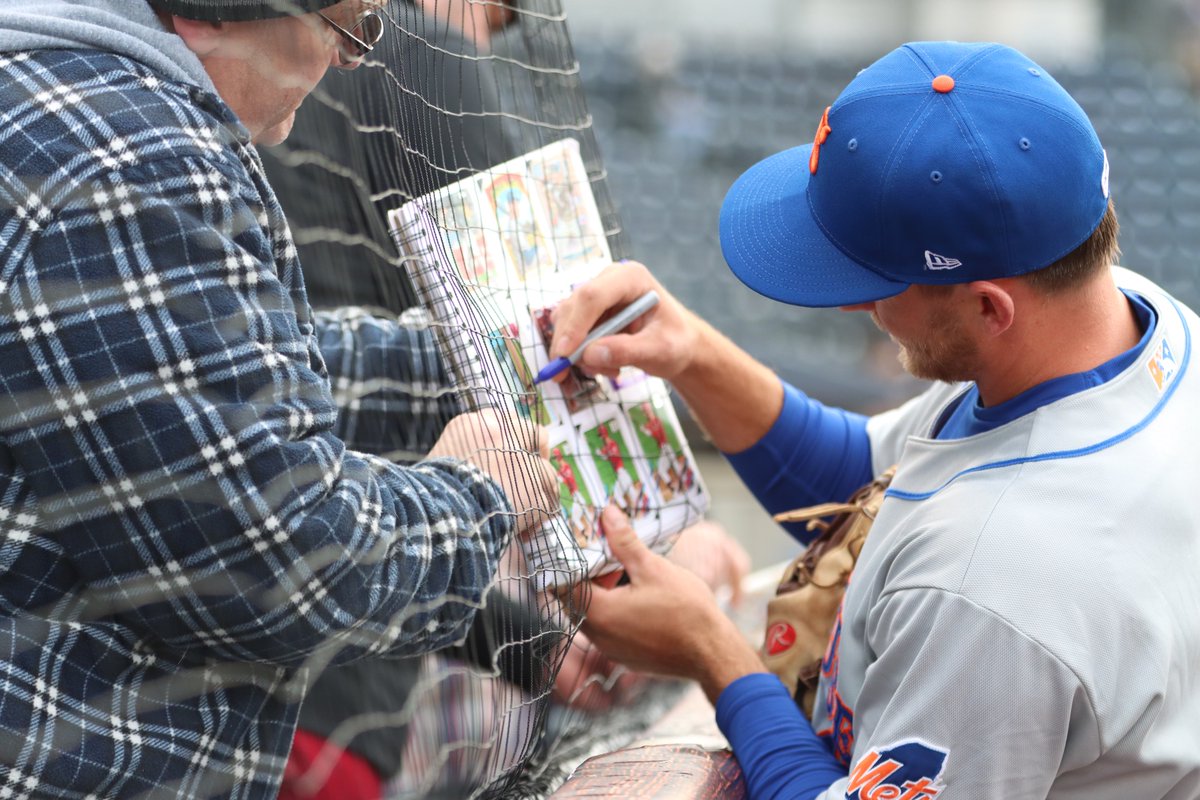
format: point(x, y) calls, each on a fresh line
point(1162, 364)
point(908, 770)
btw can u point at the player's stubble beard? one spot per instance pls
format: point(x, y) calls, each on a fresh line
point(943, 353)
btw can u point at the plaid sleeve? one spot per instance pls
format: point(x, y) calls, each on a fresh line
point(389, 381)
point(168, 404)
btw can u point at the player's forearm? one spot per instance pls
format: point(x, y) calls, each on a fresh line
point(728, 658)
point(734, 398)
point(780, 755)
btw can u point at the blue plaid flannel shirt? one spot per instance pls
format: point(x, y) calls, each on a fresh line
point(184, 529)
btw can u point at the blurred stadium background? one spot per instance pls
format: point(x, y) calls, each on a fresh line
point(684, 96)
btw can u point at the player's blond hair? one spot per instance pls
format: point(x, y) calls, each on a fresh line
point(1098, 252)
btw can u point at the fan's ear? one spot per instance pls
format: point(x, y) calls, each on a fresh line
point(201, 37)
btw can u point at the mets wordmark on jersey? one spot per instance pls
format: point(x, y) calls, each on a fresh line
point(907, 770)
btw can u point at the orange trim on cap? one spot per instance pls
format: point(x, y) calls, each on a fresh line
point(943, 83)
point(823, 131)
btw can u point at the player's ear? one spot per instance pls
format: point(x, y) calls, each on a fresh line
point(994, 306)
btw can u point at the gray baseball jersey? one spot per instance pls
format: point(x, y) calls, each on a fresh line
point(1024, 621)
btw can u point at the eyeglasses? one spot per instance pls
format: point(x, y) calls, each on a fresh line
point(355, 47)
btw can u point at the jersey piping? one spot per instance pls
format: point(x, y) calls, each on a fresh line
point(1168, 392)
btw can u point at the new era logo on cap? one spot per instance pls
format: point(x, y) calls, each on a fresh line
point(934, 261)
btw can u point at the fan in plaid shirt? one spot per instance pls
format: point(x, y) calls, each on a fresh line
point(185, 521)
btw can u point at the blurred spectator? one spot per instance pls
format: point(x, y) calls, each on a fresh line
point(1186, 35)
point(431, 102)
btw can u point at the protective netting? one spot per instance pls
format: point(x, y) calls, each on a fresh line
point(453, 91)
point(453, 183)
point(445, 97)
point(189, 550)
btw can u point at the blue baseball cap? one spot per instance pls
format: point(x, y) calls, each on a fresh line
point(941, 163)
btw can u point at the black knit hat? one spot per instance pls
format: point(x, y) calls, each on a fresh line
point(239, 10)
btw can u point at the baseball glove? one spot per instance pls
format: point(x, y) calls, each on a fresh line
point(801, 616)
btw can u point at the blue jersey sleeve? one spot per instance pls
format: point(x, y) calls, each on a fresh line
point(812, 454)
point(780, 755)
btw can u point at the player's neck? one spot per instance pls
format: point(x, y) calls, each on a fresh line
point(1057, 335)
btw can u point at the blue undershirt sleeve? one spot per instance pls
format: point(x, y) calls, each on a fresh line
point(780, 755)
point(812, 454)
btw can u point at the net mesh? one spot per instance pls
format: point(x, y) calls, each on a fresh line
point(455, 90)
point(219, 531)
point(437, 103)
point(164, 405)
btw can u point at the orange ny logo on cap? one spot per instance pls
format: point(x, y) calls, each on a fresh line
point(823, 131)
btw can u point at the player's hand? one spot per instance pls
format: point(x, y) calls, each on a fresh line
point(590, 681)
point(665, 620)
point(662, 341)
point(514, 452)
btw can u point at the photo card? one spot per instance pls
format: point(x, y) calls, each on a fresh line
point(612, 457)
point(579, 390)
point(564, 187)
point(525, 236)
point(665, 457)
point(478, 252)
point(516, 374)
point(578, 498)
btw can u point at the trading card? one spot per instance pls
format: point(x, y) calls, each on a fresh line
point(578, 504)
point(517, 377)
point(666, 460)
point(616, 467)
point(579, 389)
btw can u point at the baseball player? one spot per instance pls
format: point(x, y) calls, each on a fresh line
point(1022, 620)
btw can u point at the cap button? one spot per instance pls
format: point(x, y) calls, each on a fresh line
point(943, 83)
